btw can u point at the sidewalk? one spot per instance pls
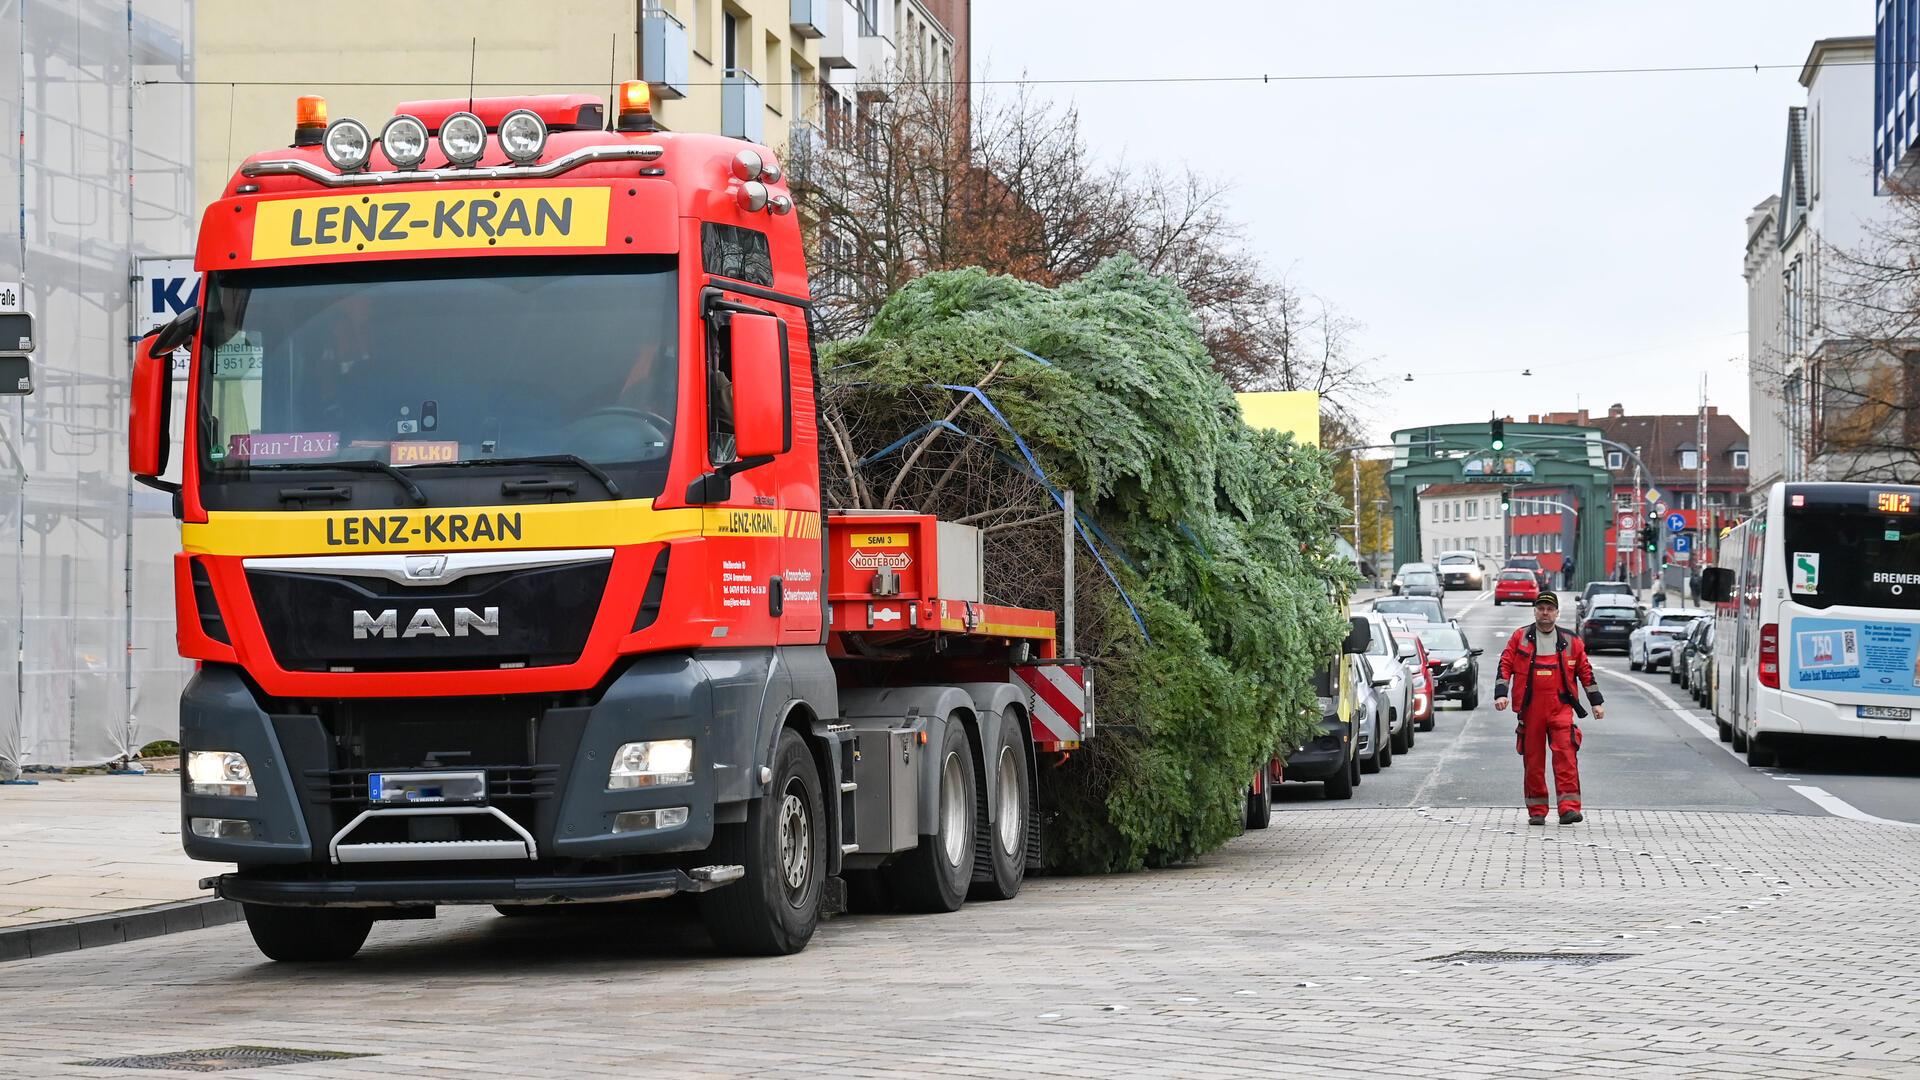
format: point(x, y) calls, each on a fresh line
point(88, 847)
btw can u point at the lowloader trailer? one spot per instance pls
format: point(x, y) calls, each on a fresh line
point(505, 564)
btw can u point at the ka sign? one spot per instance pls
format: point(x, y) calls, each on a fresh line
point(166, 287)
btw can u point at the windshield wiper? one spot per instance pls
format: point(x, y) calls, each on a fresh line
point(575, 460)
point(358, 465)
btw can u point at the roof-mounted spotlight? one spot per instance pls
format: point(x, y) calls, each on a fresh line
point(753, 195)
point(523, 135)
point(747, 165)
point(404, 141)
point(348, 144)
point(463, 138)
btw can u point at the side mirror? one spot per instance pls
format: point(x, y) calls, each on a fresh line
point(762, 386)
point(1359, 635)
point(175, 333)
point(1716, 584)
point(1381, 684)
point(1476, 652)
point(150, 411)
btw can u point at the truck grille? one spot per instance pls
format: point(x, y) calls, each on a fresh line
point(505, 783)
point(321, 622)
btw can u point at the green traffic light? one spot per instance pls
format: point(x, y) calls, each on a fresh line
point(1499, 444)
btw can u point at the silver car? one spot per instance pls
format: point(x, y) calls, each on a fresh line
point(1395, 684)
point(1651, 645)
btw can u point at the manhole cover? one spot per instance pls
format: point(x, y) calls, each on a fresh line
point(220, 1059)
point(1575, 959)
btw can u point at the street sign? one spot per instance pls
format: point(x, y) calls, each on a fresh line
point(1676, 523)
point(1628, 521)
point(12, 296)
point(1682, 543)
point(1659, 508)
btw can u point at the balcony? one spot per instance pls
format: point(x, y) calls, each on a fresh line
point(808, 17)
point(877, 53)
point(743, 106)
point(806, 148)
point(839, 33)
point(663, 53)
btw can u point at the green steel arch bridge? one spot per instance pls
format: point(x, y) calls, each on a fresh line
point(1528, 455)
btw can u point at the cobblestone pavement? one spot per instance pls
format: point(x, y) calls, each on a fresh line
point(1756, 945)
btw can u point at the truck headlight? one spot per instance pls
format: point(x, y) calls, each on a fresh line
point(347, 144)
point(405, 141)
point(218, 772)
point(523, 135)
point(649, 764)
point(463, 138)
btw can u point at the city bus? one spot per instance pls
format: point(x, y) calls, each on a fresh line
point(1817, 611)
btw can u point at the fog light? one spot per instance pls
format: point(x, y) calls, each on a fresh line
point(463, 138)
point(221, 828)
point(404, 140)
point(649, 764)
point(348, 144)
point(671, 817)
point(523, 135)
point(218, 772)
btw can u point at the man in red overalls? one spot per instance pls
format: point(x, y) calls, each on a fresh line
point(1551, 667)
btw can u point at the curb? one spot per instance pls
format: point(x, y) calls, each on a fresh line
point(114, 928)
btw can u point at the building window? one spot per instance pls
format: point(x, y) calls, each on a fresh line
point(1739, 459)
point(1615, 459)
point(1473, 509)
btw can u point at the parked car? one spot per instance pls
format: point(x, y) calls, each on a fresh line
point(1413, 656)
point(1395, 683)
point(1700, 667)
point(1653, 643)
point(1609, 625)
point(1529, 563)
point(1421, 583)
point(1602, 589)
point(1461, 570)
point(1418, 608)
point(1684, 650)
point(1344, 687)
point(1517, 585)
point(1409, 568)
point(1455, 665)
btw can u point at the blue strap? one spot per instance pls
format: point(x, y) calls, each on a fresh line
point(1040, 474)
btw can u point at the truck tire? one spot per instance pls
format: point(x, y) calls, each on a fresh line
point(773, 909)
point(1259, 807)
point(934, 876)
point(304, 935)
point(1002, 844)
point(1340, 784)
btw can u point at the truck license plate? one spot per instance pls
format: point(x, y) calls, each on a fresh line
point(427, 787)
point(1884, 712)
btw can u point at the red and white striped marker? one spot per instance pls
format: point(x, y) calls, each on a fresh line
point(1060, 701)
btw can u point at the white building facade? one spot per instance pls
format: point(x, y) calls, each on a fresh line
point(1828, 205)
point(1461, 517)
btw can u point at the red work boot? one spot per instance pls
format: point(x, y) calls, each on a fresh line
point(1536, 819)
point(1568, 817)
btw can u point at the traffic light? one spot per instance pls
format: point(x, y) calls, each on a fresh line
point(1499, 432)
point(1648, 538)
point(1506, 497)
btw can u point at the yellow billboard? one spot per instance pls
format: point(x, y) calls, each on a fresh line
point(1296, 411)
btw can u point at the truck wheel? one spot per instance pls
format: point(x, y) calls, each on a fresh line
point(308, 934)
point(1340, 784)
point(772, 910)
point(1004, 840)
point(1259, 807)
point(934, 876)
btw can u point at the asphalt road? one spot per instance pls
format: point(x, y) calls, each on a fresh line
point(1656, 750)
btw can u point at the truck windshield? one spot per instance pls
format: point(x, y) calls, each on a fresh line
point(446, 362)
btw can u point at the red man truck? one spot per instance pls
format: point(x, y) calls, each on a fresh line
point(505, 564)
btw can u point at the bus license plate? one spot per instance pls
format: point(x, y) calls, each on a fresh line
point(1884, 712)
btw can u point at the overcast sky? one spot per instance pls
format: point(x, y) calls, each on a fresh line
point(1589, 227)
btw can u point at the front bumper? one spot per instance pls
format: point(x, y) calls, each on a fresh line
point(410, 892)
point(545, 764)
point(1454, 685)
point(1325, 756)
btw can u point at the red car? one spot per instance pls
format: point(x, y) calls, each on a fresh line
point(1515, 585)
point(1413, 652)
